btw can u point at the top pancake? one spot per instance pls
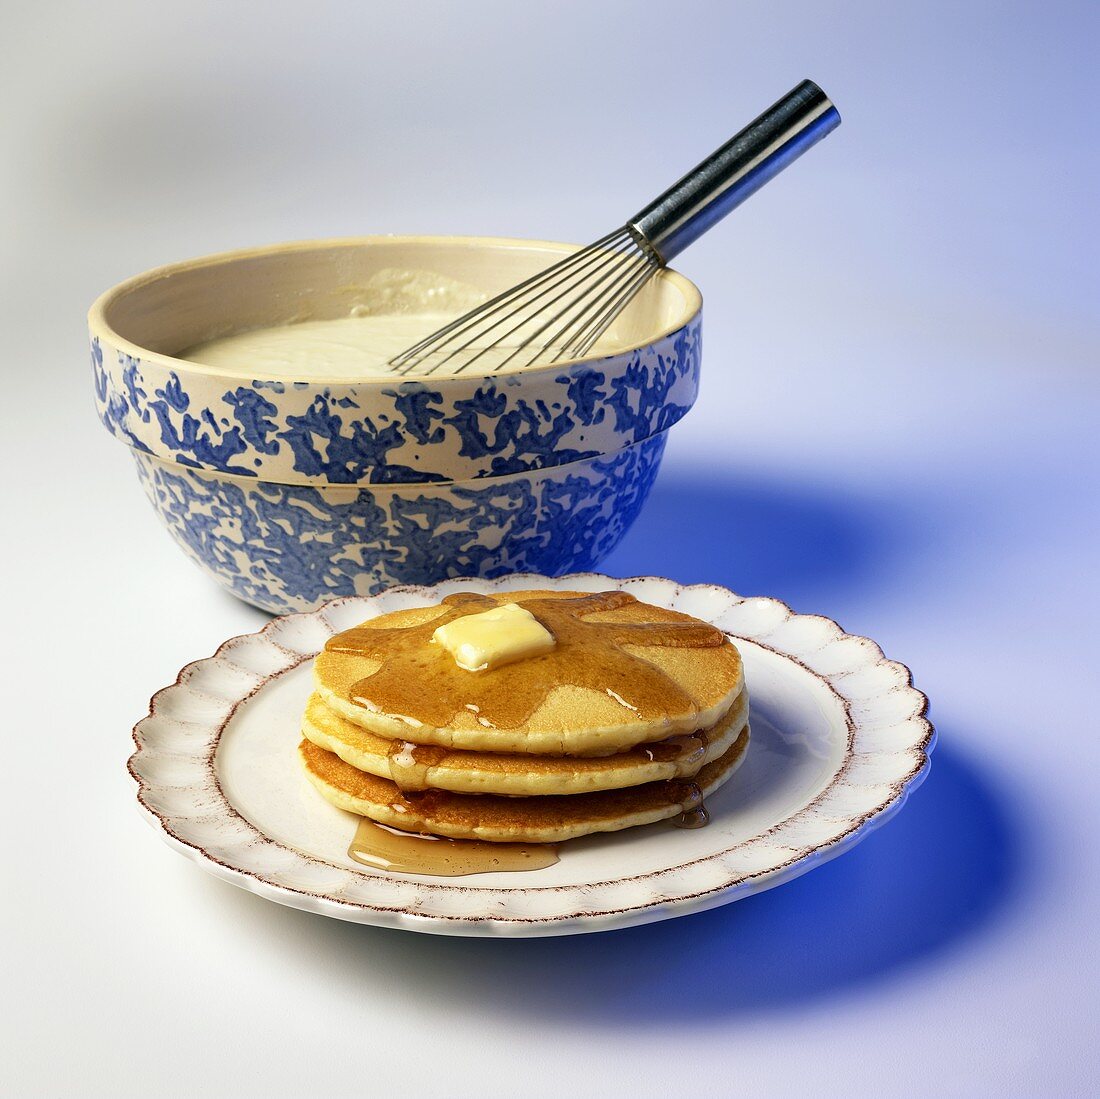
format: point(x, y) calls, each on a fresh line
point(622, 673)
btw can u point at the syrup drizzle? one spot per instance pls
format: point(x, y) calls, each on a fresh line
point(686, 750)
point(409, 764)
point(586, 654)
point(694, 813)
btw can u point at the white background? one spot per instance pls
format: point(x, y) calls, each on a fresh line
point(897, 429)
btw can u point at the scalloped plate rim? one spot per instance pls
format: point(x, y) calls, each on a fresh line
point(584, 920)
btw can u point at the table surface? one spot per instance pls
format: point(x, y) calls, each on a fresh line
point(897, 429)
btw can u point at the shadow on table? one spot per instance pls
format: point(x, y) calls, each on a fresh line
point(779, 538)
point(929, 880)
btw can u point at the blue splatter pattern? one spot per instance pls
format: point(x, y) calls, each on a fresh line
point(402, 433)
point(291, 547)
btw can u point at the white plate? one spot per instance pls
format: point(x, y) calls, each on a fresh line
point(839, 738)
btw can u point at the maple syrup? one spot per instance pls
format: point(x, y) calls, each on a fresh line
point(400, 852)
point(693, 812)
point(686, 750)
point(586, 654)
point(409, 764)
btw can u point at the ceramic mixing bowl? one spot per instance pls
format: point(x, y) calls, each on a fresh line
point(291, 492)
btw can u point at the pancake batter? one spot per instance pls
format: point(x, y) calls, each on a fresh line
point(342, 349)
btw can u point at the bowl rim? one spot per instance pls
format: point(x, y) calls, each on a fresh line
point(101, 329)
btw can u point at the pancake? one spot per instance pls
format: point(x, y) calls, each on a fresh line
point(498, 819)
point(599, 691)
point(413, 766)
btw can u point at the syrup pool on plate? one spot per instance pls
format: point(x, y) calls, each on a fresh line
point(405, 853)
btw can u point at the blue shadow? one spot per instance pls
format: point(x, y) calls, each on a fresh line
point(776, 538)
point(911, 893)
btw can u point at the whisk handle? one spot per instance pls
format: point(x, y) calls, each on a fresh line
point(740, 167)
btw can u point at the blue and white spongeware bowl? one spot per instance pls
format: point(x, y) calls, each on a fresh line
point(293, 492)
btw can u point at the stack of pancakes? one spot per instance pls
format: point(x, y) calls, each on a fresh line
point(635, 716)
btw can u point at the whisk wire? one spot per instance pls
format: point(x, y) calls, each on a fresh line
point(593, 324)
point(602, 321)
point(575, 312)
point(569, 290)
point(474, 316)
point(589, 306)
point(502, 308)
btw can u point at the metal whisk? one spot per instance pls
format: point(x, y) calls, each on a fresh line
point(560, 313)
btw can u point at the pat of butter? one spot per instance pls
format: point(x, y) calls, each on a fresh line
point(487, 640)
